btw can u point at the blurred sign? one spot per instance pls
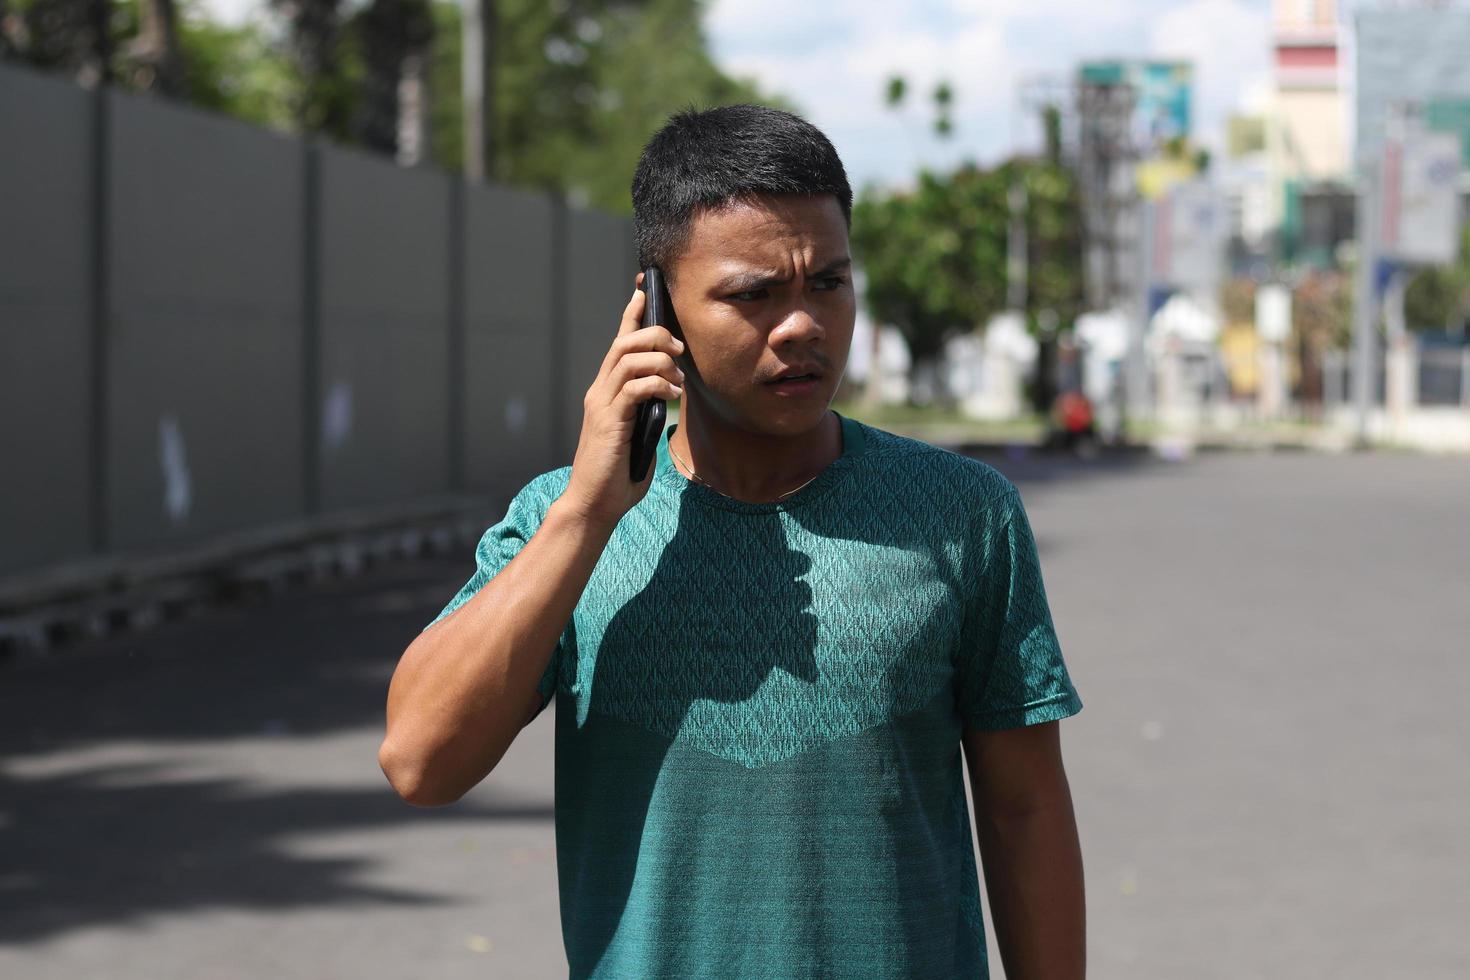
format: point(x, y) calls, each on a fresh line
point(1451, 116)
point(1273, 313)
point(1189, 237)
point(1155, 178)
point(1421, 202)
point(1406, 54)
point(1245, 136)
point(1163, 90)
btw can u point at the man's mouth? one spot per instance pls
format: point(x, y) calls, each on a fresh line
point(796, 384)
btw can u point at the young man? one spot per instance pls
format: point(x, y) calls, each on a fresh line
point(768, 655)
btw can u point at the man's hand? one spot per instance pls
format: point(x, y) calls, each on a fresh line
point(1030, 852)
point(638, 367)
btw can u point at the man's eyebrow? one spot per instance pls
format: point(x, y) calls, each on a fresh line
point(752, 279)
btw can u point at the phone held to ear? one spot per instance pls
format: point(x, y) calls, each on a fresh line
point(648, 424)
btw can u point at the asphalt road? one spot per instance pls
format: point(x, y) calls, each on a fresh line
point(1270, 773)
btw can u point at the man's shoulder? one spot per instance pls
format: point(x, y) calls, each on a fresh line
point(911, 466)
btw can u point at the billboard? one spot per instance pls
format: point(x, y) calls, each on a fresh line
point(1413, 58)
point(1163, 90)
point(1420, 198)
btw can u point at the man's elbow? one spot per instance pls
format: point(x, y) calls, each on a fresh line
point(409, 779)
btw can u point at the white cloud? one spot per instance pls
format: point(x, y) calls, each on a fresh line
point(832, 60)
point(1229, 42)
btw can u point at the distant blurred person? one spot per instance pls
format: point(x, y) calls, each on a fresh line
point(1072, 422)
point(771, 654)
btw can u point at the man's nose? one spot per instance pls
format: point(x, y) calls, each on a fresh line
point(797, 327)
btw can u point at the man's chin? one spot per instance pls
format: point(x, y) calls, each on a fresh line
point(769, 414)
point(793, 419)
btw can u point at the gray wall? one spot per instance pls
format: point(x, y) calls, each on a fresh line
point(204, 335)
point(510, 284)
point(45, 320)
point(384, 331)
point(207, 327)
point(600, 269)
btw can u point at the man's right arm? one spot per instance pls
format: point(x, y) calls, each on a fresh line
point(467, 685)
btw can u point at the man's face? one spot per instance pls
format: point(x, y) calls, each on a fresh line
point(761, 288)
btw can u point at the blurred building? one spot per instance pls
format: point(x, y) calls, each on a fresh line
point(1249, 193)
point(1308, 138)
point(1311, 201)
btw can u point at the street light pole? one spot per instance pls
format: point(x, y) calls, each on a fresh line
point(1365, 313)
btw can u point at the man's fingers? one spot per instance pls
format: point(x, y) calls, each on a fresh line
point(632, 320)
point(645, 365)
point(656, 337)
point(633, 313)
point(640, 390)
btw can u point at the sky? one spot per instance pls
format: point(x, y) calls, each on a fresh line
point(832, 62)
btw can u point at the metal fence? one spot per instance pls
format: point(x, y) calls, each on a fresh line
point(207, 327)
point(1337, 378)
point(1444, 376)
point(1440, 375)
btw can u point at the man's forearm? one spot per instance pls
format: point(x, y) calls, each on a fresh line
point(464, 687)
point(1033, 874)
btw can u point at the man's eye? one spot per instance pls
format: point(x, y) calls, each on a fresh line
point(748, 295)
point(829, 283)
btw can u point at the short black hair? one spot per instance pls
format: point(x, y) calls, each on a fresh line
point(704, 159)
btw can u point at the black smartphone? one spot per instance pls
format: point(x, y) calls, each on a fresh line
point(648, 425)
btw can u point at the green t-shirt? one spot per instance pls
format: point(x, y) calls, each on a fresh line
point(759, 710)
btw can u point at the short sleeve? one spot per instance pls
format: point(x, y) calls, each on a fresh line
point(498, 545)
point(1009, 671)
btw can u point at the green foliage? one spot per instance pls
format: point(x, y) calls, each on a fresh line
point(894, 91)
point(1051, 126)
point(1439, 298)
point(1322, 310)
point(935, 256)
point(75, 36)
point(237, 71)
point(578, 86)
point(943, 102)
point(579, 91)
point(384, 34)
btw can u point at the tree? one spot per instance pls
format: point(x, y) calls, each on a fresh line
point(75, 36)
point(156, 49)
point(1438, 298)
point(935, 257)
point(323, 93)
point(579, 85)
point(895, 92)
point(391, 35)
point(579, 89)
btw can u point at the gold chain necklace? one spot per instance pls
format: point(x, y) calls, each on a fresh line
point(701, 480)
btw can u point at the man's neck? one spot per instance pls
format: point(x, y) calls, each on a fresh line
point(751, 466)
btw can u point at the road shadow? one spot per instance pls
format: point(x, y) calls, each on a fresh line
point(121, 844)
point(104, 819)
